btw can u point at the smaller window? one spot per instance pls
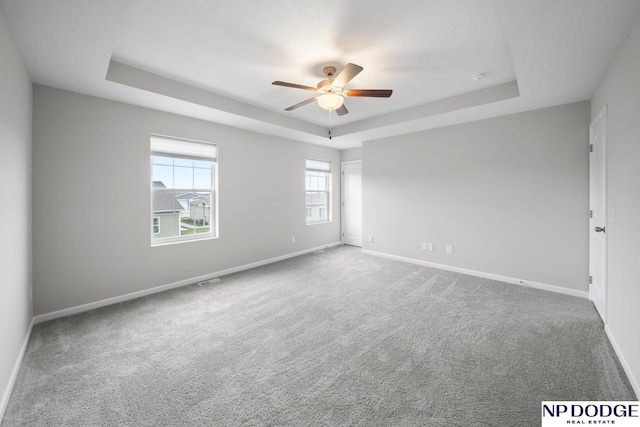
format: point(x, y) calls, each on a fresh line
point(156, 225)
point(318, 191)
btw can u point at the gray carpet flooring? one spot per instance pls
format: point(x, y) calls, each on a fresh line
point(326, 339)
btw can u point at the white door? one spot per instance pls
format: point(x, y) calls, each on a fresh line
point(598, 214)
point(352, 203)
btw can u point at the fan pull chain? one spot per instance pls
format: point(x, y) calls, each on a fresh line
point(329, 125)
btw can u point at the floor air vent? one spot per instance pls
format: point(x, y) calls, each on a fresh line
point(209, 281)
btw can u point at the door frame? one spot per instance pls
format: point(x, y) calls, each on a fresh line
point(602, 115)
point(342, 194)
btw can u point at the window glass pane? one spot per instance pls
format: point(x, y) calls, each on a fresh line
point(183, 162)
point(317, 180)
point(198, 214)
point(159, 160)
point(322, 182)
point(319, 198)
point(162, 174)
point(202, 178)
point(202, 164)
point(183, 177)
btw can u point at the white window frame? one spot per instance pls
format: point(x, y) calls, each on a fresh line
point(181, 148)
point(321, 166)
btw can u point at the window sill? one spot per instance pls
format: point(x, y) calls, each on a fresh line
point(319, 222)
point(173, 241)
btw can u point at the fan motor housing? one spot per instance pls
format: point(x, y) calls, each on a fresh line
point(324, 83)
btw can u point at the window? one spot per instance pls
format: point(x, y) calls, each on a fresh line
point(183, 190)
point(318, 185)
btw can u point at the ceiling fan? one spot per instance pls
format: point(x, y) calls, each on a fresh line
point(331, 91)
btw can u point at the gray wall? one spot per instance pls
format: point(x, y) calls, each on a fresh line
point(620, 91)
point(15, 217)
point(351, 154)
point(509, 193)
point(91, 209)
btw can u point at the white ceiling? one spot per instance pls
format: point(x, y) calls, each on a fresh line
point(216, 60)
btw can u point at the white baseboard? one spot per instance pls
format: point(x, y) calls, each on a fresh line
point(121, 298)
point(506, 279)
point(627, 369)
point(14, 373)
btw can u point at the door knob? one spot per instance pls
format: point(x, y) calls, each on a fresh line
point(600, 229)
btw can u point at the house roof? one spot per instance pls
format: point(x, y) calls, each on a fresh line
point(165, 201)
point(191, 195)
point(200, 202)
point(219, 59)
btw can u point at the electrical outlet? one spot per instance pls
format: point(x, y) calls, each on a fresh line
point(424, 246)
point(449, 249)
point(293, 239)
point(430, 247)
point(371, 237)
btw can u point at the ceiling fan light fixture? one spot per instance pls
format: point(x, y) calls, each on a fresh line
point(331, 91)
point(330, 101)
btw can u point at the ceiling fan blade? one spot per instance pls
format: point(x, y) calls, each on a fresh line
point(348, 72)
point(293, 85)
point(342, 110)
point(375, 93)
point(300, 104)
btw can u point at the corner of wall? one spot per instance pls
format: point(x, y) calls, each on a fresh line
point(16, 122)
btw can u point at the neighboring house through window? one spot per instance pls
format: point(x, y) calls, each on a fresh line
point(318, 194)
point(183, 190)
